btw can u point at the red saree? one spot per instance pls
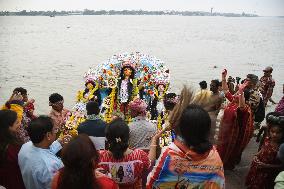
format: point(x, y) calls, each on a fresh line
point(236, 130)
point(263, 178)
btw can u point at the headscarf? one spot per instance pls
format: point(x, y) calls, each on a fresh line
point(138, 106)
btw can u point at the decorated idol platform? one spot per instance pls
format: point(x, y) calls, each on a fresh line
point(115, 83)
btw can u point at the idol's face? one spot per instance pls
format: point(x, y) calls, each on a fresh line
point(127, 72)
point(161, 88)
point(90, 86)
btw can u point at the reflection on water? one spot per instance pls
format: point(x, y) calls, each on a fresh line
point(47, 55)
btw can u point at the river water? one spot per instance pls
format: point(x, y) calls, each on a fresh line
point(47, 55)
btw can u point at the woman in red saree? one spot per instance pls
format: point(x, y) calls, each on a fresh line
point(236, 128)
point(265, 165)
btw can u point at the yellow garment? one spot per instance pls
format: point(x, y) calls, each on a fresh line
point(16, 108)
point(203, 96)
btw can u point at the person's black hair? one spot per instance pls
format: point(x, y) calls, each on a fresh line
point(274, 118)
point(214, 85)
point(194, 126)
point(39, 127)
point(117, 135)
point(169, 104)
point(238, 79)
point(92, 108)
point(231, 79)
point(253, 78)
point(7, 119)
point(55, 97)
point(203, 85)
point(132, 73)
point(246, 94)
point(216, 82)
point(21, 90)
point(80, 159)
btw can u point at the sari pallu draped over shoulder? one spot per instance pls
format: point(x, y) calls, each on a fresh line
point(236, 130)
point(180, 167)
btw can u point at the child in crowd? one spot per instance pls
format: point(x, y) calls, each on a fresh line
point(265, 165)
point(263, 131)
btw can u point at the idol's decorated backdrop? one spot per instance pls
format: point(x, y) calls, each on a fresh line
point(104, 85)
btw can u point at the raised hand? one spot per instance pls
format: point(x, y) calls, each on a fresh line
point(243, 86)
point(224, 73)
point(16, 96)
point(64, 140)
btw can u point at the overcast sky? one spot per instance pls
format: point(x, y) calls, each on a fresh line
point(260, 7)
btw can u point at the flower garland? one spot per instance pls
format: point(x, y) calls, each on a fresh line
point(72, 123)
point(108, 116)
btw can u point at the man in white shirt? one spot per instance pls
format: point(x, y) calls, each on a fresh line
point(37, 159)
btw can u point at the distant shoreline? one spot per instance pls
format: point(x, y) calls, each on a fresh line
point(123, 12)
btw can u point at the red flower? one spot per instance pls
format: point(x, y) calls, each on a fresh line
point(146, 69)
point(150, 92)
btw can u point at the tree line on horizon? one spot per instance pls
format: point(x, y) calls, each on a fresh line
point(122, 12)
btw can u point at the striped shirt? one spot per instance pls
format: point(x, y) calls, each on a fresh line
point(141, 133)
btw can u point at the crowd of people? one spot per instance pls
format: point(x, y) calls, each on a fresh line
point(209, 130)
